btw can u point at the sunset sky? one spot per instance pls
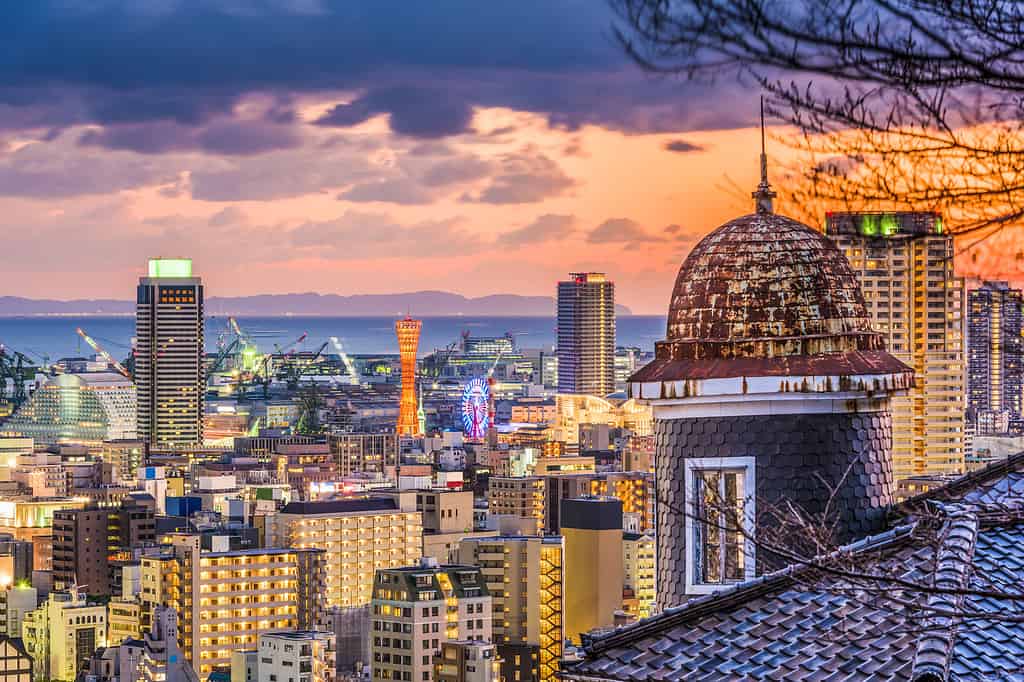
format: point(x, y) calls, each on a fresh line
point(388, 146)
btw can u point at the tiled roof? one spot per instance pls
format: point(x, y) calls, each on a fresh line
point(812, 623)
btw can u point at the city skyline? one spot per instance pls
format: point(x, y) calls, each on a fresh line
point(343, 170)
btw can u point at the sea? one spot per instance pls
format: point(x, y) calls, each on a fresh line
point(54, 337)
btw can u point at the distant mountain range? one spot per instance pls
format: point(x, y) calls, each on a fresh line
point(418, 303)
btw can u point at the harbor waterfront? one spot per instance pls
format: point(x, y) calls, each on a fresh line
point(55, 336)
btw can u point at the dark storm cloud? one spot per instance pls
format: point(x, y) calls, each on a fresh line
point(425, 65)
point(227, 137)
point(413, 111)
point(682, 146)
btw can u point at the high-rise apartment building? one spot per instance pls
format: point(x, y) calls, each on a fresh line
point(417, 608)
point(904, 262)
point(638, 573)
point(586, 334)
point(635, 489)
point(225, 600)
point(408, 333)
point(169, 355)
point(524, 576)
point(358, 537)
point(995, 357)
point(521, 497)
point(592, 528)
point(85, 539)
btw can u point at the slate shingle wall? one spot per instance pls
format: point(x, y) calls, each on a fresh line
point(793, 454)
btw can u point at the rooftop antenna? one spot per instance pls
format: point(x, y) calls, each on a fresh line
point(764, 194)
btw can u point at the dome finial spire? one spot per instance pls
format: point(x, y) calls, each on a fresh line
point(764, 194)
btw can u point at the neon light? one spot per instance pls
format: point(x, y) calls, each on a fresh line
point(170, 267)
point(475, 398)
point(889, 225)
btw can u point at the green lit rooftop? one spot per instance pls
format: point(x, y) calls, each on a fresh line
point(170, 267)
point(884, 224)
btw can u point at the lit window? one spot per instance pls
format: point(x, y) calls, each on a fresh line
point(719, 523)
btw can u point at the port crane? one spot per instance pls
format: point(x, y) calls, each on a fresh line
point(106, 356)
point(12, 366)
point(294, 372)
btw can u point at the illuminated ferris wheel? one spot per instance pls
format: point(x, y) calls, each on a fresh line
point(474, 408)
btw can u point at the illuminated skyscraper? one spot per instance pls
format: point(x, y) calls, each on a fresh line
point(995, 363)
point(169, 371)
point(408, 332)
point(586, 334)
point(904, 262)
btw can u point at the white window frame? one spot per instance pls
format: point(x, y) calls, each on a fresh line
point(748, 465)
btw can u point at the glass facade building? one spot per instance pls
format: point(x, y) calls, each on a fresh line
point(78, 408)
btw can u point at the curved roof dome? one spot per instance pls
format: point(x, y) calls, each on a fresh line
point(764, 285)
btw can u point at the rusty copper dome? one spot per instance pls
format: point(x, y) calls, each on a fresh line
point(766, 286)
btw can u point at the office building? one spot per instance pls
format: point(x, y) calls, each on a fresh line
point(15, 662)
point(303, 655)
point(417, 608)
point(358, 536)
point(408, 332)
point(170, 355)
point(520, 497)
point(77, 408)
point(62, 634)
point(904, 264)
point(635, 489)
point(41, 474)
point(593, 576)
point(364, 452)
point(84, 540)
point(638, 573)
point(469, 661)
point(586, 334)
point(995, 357)
point(576, 411)
point(524, 575)
point(225, 599)
point(124, 457)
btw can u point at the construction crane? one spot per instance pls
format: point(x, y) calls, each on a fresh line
point(106, 356)
point(353, 378)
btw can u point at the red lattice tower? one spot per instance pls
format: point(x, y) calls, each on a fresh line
point(408, 332)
